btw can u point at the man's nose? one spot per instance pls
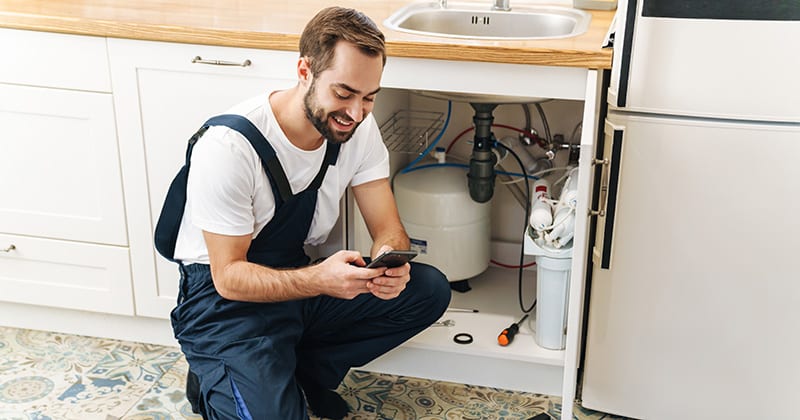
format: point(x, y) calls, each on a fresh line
point(356, 110)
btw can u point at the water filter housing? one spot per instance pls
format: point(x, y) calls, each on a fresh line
point(553, 272)
point(553, 250)
point(448, 229)
point(552, 293)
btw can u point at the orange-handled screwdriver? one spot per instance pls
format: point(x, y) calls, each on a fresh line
point(507, 336)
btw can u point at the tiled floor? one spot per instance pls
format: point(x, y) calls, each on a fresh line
point(53, 376)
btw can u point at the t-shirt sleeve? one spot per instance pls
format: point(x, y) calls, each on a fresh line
point(375, 161)
point(221, 183)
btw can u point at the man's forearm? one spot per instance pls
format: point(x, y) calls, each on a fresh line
point(249, 282)
point(397, 239)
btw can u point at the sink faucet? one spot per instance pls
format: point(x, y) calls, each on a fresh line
point(501, 5)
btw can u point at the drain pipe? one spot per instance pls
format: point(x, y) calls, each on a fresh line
point(481, 165)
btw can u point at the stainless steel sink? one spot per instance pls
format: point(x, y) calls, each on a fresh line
point(477, 20)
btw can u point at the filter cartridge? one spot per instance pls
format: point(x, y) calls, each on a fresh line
point(541, 210)
point(552, 290)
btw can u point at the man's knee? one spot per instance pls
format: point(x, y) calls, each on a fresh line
point(432, 284)
point(253, 386)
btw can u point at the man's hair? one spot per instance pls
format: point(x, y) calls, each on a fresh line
point(334, 24)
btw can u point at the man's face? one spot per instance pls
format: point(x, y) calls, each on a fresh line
point(340, 97)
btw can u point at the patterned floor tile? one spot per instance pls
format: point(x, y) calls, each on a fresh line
point(581, 413)
point(51, 351)
point(97, 398)
point(52, 376)
point(413, 398)
point(366, 393)
point(30, 393)
point(166, 400)
point(136, 362)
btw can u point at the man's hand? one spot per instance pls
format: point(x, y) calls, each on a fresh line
point(392, 281)
point(342, 275)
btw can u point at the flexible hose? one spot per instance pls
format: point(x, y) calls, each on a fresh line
point(524, 230)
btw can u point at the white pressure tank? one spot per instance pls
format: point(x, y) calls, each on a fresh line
point(448, 229)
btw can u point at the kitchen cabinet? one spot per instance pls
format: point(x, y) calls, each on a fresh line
point(62, 221)
point(162, 92)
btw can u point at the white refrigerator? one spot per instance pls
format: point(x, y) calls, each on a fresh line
point(694, 286)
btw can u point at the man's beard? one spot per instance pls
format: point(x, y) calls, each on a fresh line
point(319, 119)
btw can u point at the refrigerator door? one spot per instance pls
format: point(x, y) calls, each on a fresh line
point(735, 59)
point(695, 292)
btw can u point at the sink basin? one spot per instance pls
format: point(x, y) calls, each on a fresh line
point(477, 21)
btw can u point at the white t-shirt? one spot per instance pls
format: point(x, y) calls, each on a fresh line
point(229, 193)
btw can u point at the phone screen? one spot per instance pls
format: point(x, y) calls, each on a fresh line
point(392, 259)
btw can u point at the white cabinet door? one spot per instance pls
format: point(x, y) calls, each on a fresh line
point(162, 98)
point(59, 165)
point(54, 60)
point(65, 274)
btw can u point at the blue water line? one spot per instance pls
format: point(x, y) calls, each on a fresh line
point(433, 143)
point(465, 166)
point(410, 167)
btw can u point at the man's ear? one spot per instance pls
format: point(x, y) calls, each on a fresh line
point(304, 70)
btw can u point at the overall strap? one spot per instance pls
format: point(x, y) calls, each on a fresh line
point(269, 159)
point(169, 220)
point(168, 224)
point(192, 142)
point(331, 154)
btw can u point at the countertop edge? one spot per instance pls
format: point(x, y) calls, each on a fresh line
point(600, 59)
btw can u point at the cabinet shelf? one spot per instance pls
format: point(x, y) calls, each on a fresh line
point(433, 353)
point(494, 294)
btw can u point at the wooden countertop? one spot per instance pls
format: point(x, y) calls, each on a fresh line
point(277, 25)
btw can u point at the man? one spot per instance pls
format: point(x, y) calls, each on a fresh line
point(263, 331)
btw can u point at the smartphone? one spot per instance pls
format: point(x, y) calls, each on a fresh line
point(392, 259)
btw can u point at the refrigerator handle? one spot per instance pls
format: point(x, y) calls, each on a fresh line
point(625, 59)
point(609, 187)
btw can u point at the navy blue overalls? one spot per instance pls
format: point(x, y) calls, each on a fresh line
point(248, 355)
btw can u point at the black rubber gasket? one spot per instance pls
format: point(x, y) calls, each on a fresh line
point(463, 338)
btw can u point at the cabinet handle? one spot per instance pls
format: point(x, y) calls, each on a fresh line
point(200, 60)
point(611, 198)
point(593, 213)
point(603, 188)
point(9, 248)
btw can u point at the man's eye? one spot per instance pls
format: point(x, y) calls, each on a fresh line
point(369, 99)
point(340, 96)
